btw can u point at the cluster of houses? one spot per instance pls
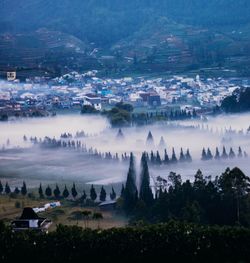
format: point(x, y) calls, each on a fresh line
point(74, 90)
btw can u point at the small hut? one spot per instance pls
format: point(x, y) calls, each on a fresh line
point(30, 220)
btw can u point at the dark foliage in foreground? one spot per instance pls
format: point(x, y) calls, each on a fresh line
point(239, 101)
point(175, 242)
point(222, 201)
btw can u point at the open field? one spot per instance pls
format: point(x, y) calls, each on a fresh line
point(60, 215)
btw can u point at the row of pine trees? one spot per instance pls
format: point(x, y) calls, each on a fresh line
point(58, 194)
point(207, 154)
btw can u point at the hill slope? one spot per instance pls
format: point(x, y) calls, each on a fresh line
point(161, 35)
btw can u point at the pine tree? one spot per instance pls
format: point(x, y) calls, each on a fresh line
point(84, 196)
point(7, 188)
point(217, 154)
point(73, 191)
point(93, 194)
point(162, 143)
point(145, 194)
point(157, 159)
point(150, 139)
point(65, 192)
point(130, 191)
point(113, 194)
point(188, 157)
point(231, 153)
point(166, 158)
point(24, 189)
point(182, 156)
point(120, 135)
point(152, 157)
point(1, 188)
point(224, 153)
point(240, 155)
point(16, 191)
point(203, 155)
point(48, 191)
point(209, 154)
point(40, 191)
point(173, 159)
point(103, 194)
point(57, 192)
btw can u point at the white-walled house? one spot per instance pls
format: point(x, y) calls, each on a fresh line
point(93, 101)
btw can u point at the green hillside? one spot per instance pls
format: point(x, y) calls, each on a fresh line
point(133, 36)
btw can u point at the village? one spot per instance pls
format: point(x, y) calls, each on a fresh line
point(41, 97)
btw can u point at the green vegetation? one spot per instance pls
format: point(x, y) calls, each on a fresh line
point(239, 101)
point(120, 115)
point(87, 109)
point(151, 36)
point(123, 114)
point(223, 201)
point(177, 242)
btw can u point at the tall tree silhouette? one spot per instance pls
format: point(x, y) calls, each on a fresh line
point(166, 158)
point(74, 191)
point(188, 156)
point(65, 192)
point(93, 194)
point(182, 156)
point(113, 194)
point(24, 189)
point(203, 155)
point(224, 154)
point(173, 159)
point(150, 139)
point(57, 192)
point(130, 191)
point(103, 194)
point(217, 154)
point(48, 191)
point(145, 193)
point(40, 191)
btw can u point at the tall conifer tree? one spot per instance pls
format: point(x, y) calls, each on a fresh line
point(145, 193)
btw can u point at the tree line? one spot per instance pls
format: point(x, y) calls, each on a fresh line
point(174, 241)
point(224, 200)
point(173, 115)
point(58, 193)
point(122, 114)
point(207, 154)
point(153, 158)
point(52, 143)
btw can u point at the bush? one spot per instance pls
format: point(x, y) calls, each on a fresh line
point(87, 109)
point(176, 242)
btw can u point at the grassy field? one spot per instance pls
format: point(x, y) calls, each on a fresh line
point(11, 208)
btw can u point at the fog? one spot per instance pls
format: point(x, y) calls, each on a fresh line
point(21, 159)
